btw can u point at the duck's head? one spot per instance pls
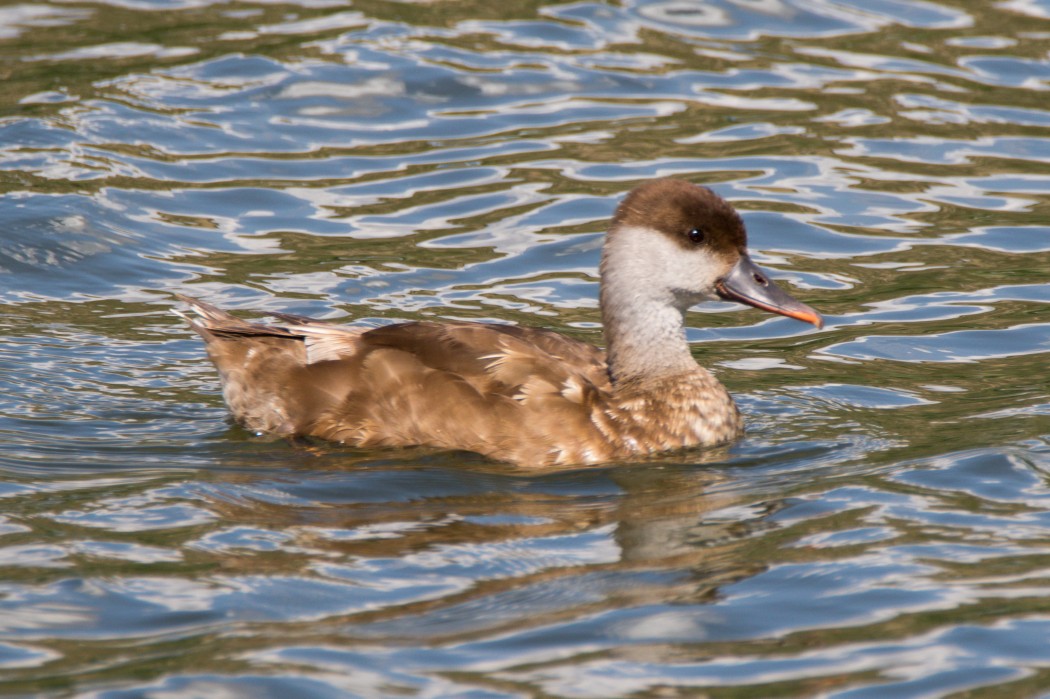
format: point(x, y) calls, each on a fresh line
point(681, 243)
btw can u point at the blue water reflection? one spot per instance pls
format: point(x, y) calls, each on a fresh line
point(880, 530)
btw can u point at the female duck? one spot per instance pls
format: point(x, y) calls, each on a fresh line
point(525, 395)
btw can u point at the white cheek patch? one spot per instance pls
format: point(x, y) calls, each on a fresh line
point(645, 258)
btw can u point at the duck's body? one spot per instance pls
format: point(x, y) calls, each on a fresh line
point(524, 395)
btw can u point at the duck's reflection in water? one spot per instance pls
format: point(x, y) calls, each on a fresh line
point(464, 549)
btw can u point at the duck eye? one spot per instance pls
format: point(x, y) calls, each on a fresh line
point(696, 235)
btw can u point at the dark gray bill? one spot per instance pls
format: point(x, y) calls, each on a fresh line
point(746, 283)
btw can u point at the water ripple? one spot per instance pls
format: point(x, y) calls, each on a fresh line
point(880, 531)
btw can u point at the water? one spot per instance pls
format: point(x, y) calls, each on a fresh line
point(884, 528)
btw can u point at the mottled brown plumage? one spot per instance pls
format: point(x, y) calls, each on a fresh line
point(524, 395)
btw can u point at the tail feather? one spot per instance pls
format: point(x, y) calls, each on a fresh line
point(210, 322)
point(275, 378)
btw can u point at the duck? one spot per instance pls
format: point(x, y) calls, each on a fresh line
point(524, 395)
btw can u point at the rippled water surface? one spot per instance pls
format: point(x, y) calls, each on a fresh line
point(883, 529)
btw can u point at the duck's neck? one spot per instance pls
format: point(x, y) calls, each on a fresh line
point(644, 323)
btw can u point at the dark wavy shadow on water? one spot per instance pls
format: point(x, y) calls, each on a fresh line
point(880, 531)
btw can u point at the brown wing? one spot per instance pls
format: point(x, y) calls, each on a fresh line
point(497, 358)
point(508, 392)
